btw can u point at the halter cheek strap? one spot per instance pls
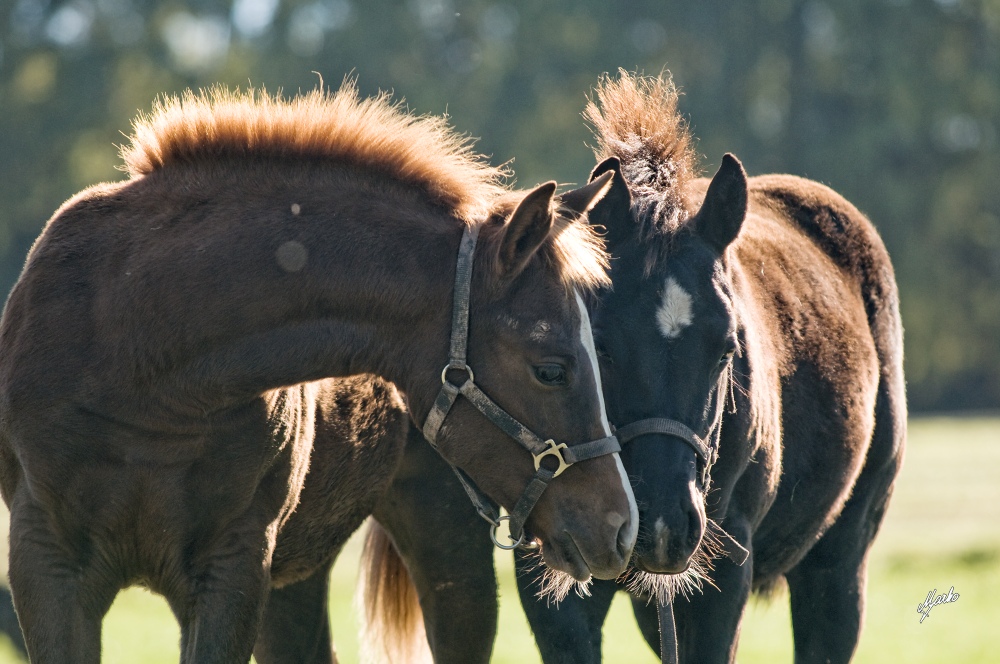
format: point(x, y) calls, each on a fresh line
point(564, 455)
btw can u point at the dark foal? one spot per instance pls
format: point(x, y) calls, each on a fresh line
point(162, 360)
point(763, 315)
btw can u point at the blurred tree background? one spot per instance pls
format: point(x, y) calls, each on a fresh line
point(894, 103)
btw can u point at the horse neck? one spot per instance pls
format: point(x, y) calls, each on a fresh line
point(759, 373)
point(327, 281)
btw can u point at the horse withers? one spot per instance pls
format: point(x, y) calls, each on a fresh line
point(751, 354)
point(159, 355)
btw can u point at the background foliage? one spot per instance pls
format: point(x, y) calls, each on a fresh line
point(894, 103)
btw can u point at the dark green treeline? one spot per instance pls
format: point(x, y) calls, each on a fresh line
point(894, 103)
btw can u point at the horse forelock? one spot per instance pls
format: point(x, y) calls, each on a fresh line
point(576, 251)
point(635, 118)
point(370, 133)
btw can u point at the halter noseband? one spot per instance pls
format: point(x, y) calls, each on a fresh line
point(565, 455)
point(706, 454)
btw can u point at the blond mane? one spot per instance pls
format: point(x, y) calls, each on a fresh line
point(371, 133)
point(577, 253)
point(635, 118)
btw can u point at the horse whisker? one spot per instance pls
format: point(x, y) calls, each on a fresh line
point(665, 587)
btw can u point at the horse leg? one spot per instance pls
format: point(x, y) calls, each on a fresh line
point(221, 613)
point(827, 608)
point(296, 625)
point(827, 587)
point(571, 633)
point(60, 603)
point(448, 554)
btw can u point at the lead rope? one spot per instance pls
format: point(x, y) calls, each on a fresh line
point(539, 449)
point(668, 632)
point(665, 610)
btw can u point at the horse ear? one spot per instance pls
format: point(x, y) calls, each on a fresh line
point(614, 210)
point(527, 229)
point(586, 197)
point(721, 215)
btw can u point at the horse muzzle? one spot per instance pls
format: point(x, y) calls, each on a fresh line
point(586, 531)
point(671, 536)
point(565, 553)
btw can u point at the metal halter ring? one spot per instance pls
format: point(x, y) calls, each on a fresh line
point(552, 450)
point(460, 367)
point(493, 536)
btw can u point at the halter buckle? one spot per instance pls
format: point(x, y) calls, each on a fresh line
point(552, 450)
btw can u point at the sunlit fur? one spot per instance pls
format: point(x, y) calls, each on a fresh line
point(372, 132)
point(577, 252)
point(375, 133)
point(635, 118)
point(574, 248)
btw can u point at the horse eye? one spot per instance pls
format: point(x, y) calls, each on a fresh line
point(727, 357)
point(550, 374)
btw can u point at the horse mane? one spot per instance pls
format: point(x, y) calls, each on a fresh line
point(635, 118)
point(371, 133)
point(576, 252)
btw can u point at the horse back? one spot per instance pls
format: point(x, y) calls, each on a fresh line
point(851, 241)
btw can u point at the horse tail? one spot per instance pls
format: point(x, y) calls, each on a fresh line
point(392, 626)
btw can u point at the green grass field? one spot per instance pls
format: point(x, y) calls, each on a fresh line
point(942, 530)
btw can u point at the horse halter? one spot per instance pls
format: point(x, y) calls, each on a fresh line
point(565, 455)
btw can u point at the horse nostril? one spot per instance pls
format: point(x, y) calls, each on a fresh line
point(696, 529)
point(626, 539)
